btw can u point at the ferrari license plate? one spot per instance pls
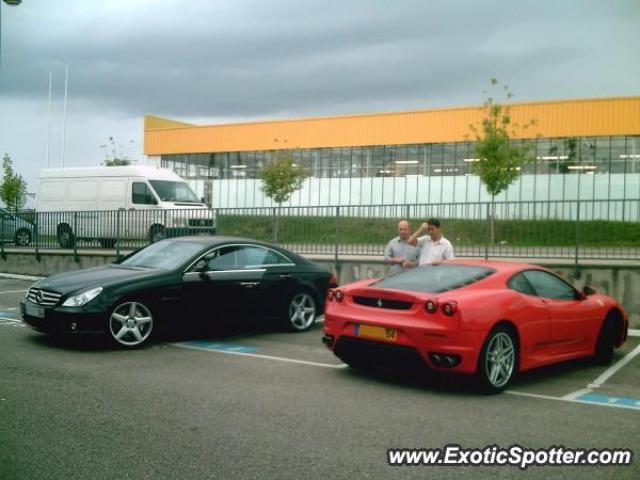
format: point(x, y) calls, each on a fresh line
point(389, 334)
point(34, 310)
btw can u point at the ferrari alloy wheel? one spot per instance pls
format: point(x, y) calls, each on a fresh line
point(130, 324)
point(301, 312)
point(498, 360)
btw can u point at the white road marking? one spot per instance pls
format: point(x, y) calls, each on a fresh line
point(15, 320)
point(15, 291)
point(606, 375)
point(266, 357)
point(609, 372)
point(577, 393)
point(633, 332)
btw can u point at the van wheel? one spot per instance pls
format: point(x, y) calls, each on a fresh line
point(156, 233)
point(23, 237)
point(107, 242)
point(66, 238)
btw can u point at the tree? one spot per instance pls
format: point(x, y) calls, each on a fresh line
point(116, 162)
point(280, 178)
point(13, 189)
point(116, 159)
point(499, 160)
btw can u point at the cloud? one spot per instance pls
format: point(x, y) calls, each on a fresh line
point(259, 59)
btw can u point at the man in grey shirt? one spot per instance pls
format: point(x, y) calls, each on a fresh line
point(399, 253)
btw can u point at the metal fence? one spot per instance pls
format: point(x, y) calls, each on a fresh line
point(569, 230)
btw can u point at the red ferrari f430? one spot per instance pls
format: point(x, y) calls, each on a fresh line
point(488, 319)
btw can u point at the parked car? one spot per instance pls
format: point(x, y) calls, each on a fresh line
point(14, 229)
point(112, 203)
point(174, 281)
point(489, 319)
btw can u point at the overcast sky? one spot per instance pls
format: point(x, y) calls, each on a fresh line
point(215, 61)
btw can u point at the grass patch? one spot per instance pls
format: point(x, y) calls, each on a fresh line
point(370, 231)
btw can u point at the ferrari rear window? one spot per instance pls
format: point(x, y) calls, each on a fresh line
point(435, 278)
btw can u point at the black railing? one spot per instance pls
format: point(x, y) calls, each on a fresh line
point(569, 230)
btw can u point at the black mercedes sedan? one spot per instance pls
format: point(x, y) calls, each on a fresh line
point(177, 280)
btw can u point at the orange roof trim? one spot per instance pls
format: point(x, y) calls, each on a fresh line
point(563, 118)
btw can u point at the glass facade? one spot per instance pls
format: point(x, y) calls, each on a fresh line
point(564, 168)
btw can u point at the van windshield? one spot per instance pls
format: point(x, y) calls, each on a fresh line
point(169, 191)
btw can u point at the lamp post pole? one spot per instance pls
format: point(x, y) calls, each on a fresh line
point(49, 121)
point(64, 109)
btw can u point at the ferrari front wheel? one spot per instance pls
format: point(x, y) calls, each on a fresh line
point(498, 360)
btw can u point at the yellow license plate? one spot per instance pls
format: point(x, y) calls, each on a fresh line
point(390, 334)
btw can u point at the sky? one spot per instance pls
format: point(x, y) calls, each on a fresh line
point(219, 61)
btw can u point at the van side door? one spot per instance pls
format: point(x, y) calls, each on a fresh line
point(142, 213)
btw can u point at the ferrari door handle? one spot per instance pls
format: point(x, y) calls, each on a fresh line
point(285, 275)
point(248, 284)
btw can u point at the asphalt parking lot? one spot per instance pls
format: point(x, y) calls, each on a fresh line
point(270, 404)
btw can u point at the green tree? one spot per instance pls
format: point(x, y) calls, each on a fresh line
point(116, 159)
point(280, 178)
point(116, 162)
point(13, 189)
point(499, 160)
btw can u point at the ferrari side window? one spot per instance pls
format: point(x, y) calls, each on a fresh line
point(550, 286)
point(519, 283)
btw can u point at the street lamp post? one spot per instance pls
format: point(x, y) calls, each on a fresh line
point(12, 3)
point(64, 109)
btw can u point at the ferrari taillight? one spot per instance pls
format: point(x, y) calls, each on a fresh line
point(449, 308)
point(339, 295)
point(431, 306)
point(330, 295)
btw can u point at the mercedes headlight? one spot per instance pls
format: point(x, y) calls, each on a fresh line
point(83, 298)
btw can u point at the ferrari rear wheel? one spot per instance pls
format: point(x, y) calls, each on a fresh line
point(498, 360)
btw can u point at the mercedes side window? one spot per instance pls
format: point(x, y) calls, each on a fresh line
point(549, 286)
point(519, 283)
point(141, 194)
point(223, 258)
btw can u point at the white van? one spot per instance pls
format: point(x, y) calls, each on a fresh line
point(113, 203)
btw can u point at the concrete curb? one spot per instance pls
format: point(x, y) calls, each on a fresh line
point(15, 276)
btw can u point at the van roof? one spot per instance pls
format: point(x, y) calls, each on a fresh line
point(153, 173)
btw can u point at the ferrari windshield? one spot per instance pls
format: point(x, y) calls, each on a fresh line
point(165, 255)
point(435, 278)
point(169, 191)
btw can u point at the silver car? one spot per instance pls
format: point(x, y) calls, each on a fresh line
point(15, 230)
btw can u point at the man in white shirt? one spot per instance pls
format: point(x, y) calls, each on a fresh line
point(433, 246)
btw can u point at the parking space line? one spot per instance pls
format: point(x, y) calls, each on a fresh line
point(607, 374)
point(14, 291)
point(266, 357)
